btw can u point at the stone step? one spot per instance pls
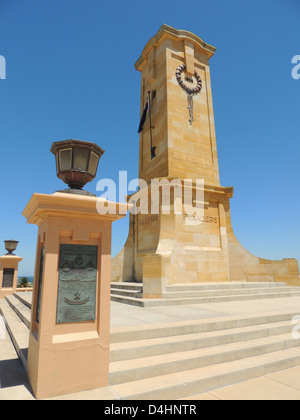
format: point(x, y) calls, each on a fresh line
point(146, 332)
point(181, 359)
point(20, 309)
point(179, 343)
point(152, 366)
point(18, 330)
point(127, 293)
point(148, 303)
point(24, 297)
point(127, 286)
point(195, 381)
point(198, 293)
point(227, 292)
point(127, 300)
point(222, 285)
point(131, 290)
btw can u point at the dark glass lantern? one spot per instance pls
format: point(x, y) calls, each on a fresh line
point(76, 162)
point(11, 246)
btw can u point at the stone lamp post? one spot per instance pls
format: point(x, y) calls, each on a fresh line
point(11, 246)
point(70, 321)
point(9, 264)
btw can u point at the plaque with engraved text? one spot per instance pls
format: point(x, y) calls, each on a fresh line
point(76, 300)
point(8, 278)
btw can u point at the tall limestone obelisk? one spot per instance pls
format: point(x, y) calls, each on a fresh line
point(178, 141)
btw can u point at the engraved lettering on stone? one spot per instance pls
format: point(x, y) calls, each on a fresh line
point(148, 220)
point(193, 220)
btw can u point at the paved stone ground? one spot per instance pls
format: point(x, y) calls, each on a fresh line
point(126, 315)
point(284, 385)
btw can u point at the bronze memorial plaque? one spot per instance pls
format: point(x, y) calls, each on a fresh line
point(76, 300)
point(8, 278)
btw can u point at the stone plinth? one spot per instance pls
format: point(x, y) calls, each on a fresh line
point(70, 324)
point(8, 274)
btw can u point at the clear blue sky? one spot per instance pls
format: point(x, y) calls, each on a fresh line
point(70, 74)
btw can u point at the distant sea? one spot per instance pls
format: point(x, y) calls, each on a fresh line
point(30, 278)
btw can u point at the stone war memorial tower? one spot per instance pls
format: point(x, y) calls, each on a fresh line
point(178, 142)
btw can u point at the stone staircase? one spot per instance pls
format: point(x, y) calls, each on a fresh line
point(121, 291)
point(182, 359)
point(197, 293)
point(186, 359)
point(16, 314)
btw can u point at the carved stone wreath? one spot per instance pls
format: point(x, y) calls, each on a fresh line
point(189, 90)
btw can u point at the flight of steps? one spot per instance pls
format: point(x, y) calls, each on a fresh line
point(16, 313)
point(181, 359)
point(197, 293)
point(119, 292)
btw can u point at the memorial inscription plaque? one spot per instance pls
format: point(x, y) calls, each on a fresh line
point(77, 283)
point(8, 278)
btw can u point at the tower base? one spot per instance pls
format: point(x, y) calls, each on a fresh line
point(165, 249)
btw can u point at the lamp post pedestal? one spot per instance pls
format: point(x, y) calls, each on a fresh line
point(70, 321)
point(8, 274)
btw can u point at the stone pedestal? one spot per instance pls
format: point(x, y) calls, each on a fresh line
point(8, 274)
point(70, 324)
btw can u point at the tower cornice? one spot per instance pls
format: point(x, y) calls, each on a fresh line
point(167, 31)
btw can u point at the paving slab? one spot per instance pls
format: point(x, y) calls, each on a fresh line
point(105, 393)
point(261, 389)
point(127, 315)
point(16, 393)
point(290, 377)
